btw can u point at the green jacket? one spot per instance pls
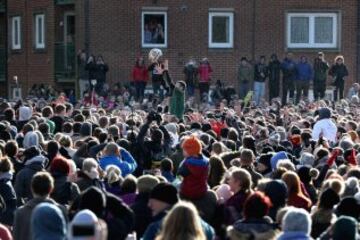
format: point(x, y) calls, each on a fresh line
point(245, 74)
point(177, 103)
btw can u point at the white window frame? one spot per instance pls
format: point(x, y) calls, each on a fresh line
point(16, 21)
point(39, 43)
point(154, 45)
point(312, 44)
point(229, 44)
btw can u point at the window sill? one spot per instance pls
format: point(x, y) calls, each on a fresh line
point(229, 50)
point(16, 51)
point(40, 50)
point(334, 50)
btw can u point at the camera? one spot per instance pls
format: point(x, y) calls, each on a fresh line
point(154, 116)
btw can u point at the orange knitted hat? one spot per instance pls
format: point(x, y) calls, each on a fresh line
point(192, 146)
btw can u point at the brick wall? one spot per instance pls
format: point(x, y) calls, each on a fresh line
point(116, 33)
point(32, 66)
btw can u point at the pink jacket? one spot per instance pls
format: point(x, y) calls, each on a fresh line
point(205, 72)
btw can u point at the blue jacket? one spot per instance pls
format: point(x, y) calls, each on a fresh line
point(304, 71)
point(154, 228)
point(288, 68)
point(125, 162)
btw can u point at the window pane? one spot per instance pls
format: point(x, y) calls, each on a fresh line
point(154, 29)
point(39, 30)
point(220, 29)
point(324, 30)
point(16, 32)
point(299, 30)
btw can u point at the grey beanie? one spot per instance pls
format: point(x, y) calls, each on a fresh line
point(307, 159)
point(346, 143)
point(297, 220)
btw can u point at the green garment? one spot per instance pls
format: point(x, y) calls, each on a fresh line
point(51, 125)
point(177, 103)
point(246, 74)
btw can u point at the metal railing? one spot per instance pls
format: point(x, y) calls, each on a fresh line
point(65, 61)
point(2, 63)
point(64, 2)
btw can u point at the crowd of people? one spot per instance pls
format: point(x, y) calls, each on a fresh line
point(173, 171)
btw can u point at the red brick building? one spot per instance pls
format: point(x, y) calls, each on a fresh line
point(51, 32)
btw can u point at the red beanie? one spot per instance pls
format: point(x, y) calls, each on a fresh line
point(60, 165)
point(192, 146)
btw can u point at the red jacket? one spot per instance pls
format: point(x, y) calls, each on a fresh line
point(140, 74)
point(205, 71)
point(299, 201)
point(195, 171)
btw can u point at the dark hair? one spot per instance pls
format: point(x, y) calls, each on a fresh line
point(257, 205)
point(67, 127)
point(129, 185)
point(9, 114)
point(166, 165)
point(11, 148)
point(42, 184)
point(59, 108)
point(47, 111)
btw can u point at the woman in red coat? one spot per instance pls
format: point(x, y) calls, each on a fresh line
point(296, 197)
point(140, 77)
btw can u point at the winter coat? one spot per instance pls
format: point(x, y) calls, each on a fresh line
point(190, 72)
point(298, 201)
point(205, 71)
point(143, 214)
point(321, 220)
point(294, 236)
point(140, 74)
point(125, 162)
point(304, 71)
point(245, 74)
point(274, 71)
point(22, 221)
point(195, 171)
point(255, 176)
point(23, 178)
point(177, 103)
point(7, 192)
point(153, 152)
point(261, 72)
point(100, 72)
point(338, 72)
point(320, 70)
point(326, 128)
point(91, 68)
point(64, 191)
point(253, 229)
point(83, 73)
point(234, 206)
point(118, 217)
point(84, 182)
point(288, 68)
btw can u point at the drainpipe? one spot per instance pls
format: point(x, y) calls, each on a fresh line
point(358, 44)
point(253, 31)
point(87, 26)
point(8, 90)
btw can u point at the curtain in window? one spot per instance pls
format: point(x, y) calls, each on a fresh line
point(299, 30)
point(324, 30)
point(220, 29)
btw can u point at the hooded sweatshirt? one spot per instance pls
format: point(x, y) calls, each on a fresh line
point(324, 127)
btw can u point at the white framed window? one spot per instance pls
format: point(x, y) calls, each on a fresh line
point(154, 29)
point(39, 31)
point(221, 30)
point(312, 30)
point(16, 33)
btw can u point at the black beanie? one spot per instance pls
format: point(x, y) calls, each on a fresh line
point(165, 192)
point(93, 199)
point(329, 198)
point(265, 159)
point(86, 129)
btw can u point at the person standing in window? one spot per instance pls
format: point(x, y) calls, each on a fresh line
point(190, 71)
point(261, 73)
point(320, 73)
point(205, 71)
point(101, 70)
point(147, 34)
point(274, 77)
point(140, 78)
point(304, 74)
point(339, 73)
point(91, 68)
point(83, 73)
point(245, 77)
point(288, 67)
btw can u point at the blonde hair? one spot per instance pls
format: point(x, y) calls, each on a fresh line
point(113, 174)
point(182, 222)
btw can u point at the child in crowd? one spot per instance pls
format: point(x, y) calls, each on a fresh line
point(194, 169)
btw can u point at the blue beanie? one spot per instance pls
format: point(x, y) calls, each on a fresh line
point(277, 157)
point(48, 223)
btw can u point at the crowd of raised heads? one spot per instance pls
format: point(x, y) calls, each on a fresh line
point(175, 171)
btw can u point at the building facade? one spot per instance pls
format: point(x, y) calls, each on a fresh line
point(44, 36)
